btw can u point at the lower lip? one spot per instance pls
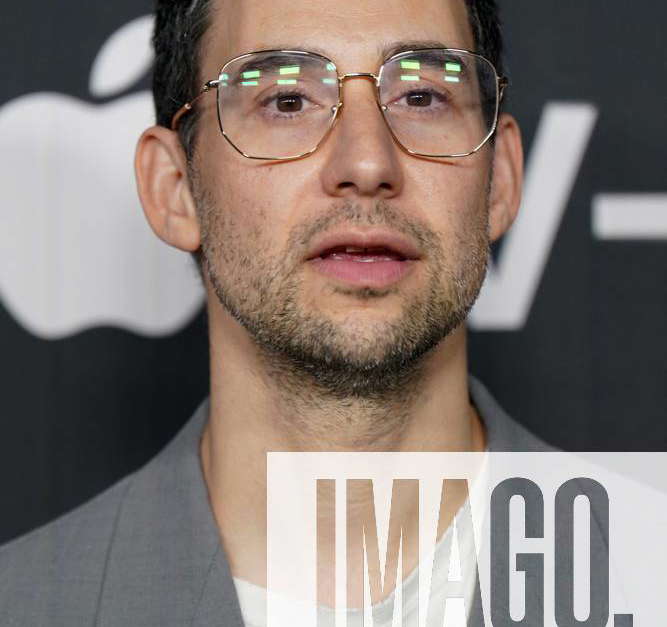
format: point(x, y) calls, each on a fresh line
point(375, 274)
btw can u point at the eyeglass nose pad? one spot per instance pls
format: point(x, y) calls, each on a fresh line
point(335, 109)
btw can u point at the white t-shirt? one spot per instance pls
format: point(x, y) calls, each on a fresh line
point(460, 540)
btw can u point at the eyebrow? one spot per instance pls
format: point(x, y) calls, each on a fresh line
point(389, 50)
point(271, 63)
point(385, 50)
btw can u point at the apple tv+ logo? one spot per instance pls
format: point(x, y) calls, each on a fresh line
point(76, 250)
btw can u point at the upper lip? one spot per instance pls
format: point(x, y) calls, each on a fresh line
point(365, 239)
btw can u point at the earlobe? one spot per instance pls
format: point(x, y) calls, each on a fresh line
point(163, 187)
point(505, 196)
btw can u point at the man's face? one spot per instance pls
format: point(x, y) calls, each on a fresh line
point(261, 221)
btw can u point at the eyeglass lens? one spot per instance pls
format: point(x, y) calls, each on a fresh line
point(282, 104)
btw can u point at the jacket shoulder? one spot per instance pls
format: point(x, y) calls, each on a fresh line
point(54, 573)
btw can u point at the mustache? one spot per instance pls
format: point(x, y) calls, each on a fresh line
point(381, 213)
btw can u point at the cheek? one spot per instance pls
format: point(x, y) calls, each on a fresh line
point(272, 197)
point(250, 220)
point(457, 203)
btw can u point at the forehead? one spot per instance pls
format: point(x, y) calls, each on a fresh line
point(356, 34)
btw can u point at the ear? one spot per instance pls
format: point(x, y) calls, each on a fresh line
point(163, 187)
point(505, 195)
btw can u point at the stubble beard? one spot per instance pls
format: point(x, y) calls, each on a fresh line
point(306, 352)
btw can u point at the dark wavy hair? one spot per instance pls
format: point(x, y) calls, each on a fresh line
point(180, 26)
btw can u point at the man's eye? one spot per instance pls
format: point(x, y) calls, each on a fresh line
point(419, 98)
point(287, 104)
point(290, 103)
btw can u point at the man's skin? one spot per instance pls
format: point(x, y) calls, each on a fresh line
point(258, 221)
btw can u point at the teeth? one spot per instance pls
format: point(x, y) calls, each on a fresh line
point(361, 254)
point(357, 249)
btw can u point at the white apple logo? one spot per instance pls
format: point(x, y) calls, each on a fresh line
point(75, 249)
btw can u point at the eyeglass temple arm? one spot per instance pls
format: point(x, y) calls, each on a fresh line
point(187, 107)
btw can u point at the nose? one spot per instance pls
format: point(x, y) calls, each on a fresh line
point(361, 157)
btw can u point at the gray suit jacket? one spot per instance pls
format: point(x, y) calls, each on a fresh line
point(146, 552)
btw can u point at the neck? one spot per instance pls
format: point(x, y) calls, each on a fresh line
point(257, 405)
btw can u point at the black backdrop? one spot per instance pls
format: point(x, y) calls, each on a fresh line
point(584, 368)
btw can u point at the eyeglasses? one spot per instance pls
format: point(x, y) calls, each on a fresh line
point(281, 104)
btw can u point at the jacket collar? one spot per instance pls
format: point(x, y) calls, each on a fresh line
point(502, 432)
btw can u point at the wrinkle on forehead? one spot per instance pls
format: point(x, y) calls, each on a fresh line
point(345, 29)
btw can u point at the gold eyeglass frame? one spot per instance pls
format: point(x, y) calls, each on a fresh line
point(501, 84)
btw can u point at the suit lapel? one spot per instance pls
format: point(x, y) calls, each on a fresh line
point(166, 557)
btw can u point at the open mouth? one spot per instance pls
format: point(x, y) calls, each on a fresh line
point(365, 263)
point(358, 254)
